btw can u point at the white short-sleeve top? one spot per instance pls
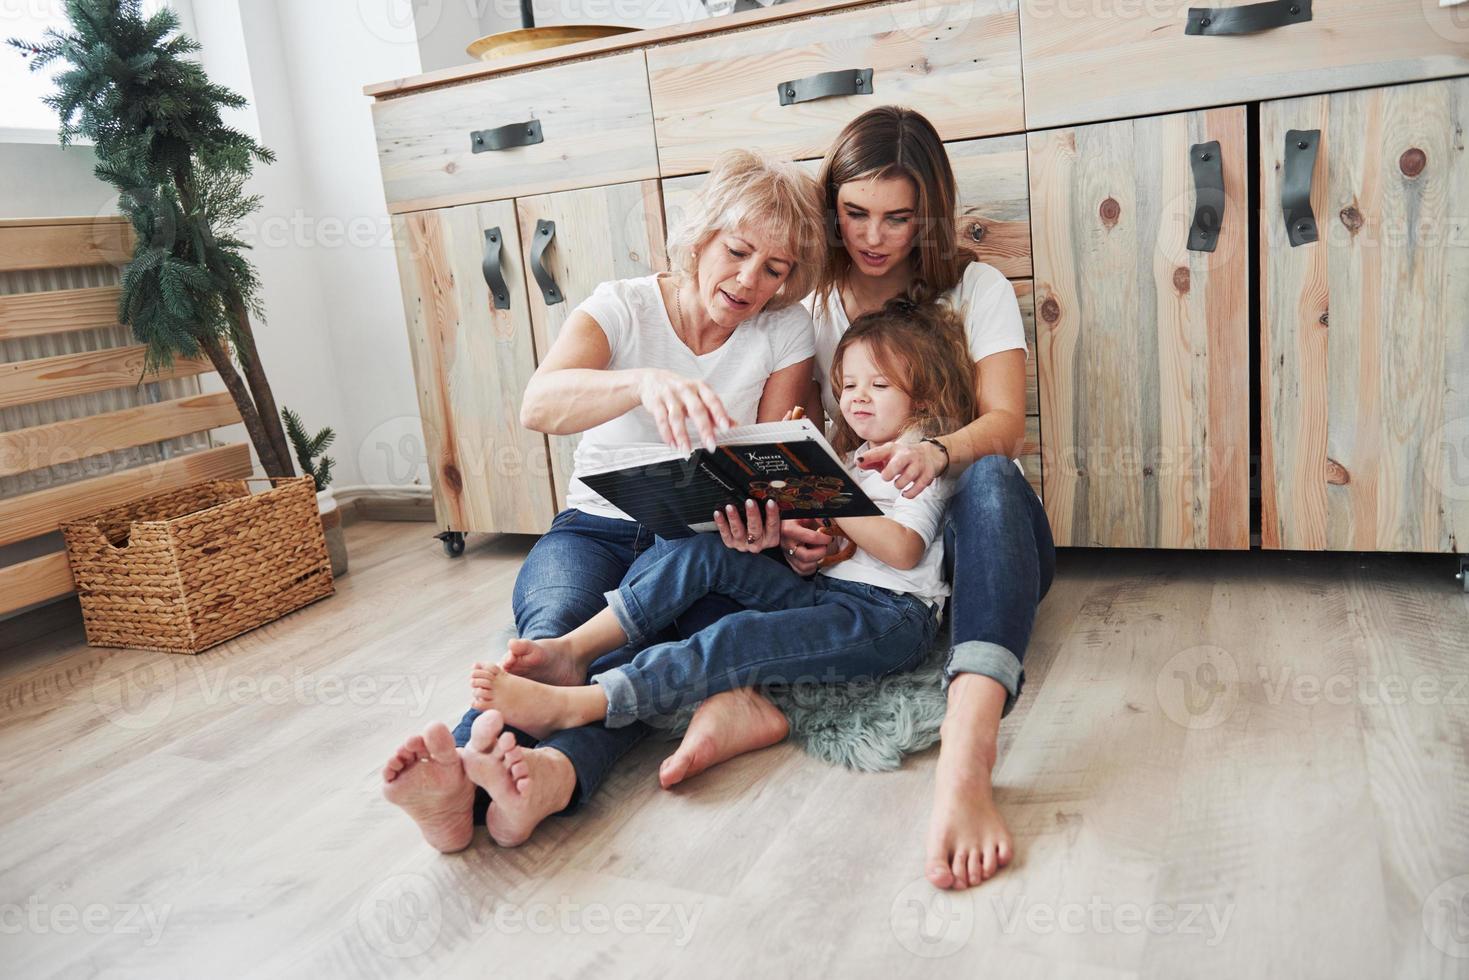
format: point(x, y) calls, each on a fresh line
point(640, 333)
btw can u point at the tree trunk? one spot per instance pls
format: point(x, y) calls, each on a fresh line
point(259, 385)
point(219, 356)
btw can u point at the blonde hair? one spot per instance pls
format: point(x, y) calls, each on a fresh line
point(922, 350)
point(757, 193)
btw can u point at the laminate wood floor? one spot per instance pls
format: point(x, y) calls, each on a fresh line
point(1222, 765)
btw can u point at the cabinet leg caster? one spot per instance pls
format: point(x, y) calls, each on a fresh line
point(453, 542)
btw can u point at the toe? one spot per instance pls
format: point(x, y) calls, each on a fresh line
point(486, 728)
point(505, 743)
point(991, 861)
point(977, 865)
point(440, 743)
point(1004, 850)
point(519, 770)
point(673, 770)
point(415, 747)
point(960, 866)
point(939, 874)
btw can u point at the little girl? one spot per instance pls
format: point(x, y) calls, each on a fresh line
point(901, 372)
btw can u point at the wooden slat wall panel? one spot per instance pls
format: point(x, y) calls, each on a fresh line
point(85, 373)
point(48, 243)
point(32, 514)
point(1143, 360)
point(37, 580)
point(57, 311)
point(74, 439)
point(1364, 334)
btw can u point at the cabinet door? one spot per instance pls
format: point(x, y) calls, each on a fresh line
point(1142, 344)
point(471, 361)
point(597, 234)
point(1364, 339)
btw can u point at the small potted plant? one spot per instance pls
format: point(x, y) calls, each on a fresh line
point(310, 453)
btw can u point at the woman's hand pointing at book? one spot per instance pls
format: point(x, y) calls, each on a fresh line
point(675, 401)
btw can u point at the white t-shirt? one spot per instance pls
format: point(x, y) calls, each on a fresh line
point(641, 335)
point(924, 514)
point(984, 299)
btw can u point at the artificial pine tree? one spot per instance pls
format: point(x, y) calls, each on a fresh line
point(308, 448)
point(131, 88)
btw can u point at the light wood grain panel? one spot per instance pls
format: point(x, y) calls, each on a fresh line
point(1090, 62)
point(57, 311)
point(994, 201)
point(47, 243)
point(958, 60)
point(43, 511)
point(602, 233)
point(1025, 297)
point(1142, 344)
point(596, 122)
point(39, 446)
point(1364, 406)
point(471, 363)
point(24, 382)
point(37, 580)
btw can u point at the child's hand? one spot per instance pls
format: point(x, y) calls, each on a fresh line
point(750, 532)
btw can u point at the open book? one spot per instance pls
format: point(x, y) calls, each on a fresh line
point(674, 496)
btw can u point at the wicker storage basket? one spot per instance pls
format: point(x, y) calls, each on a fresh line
point(183, 570)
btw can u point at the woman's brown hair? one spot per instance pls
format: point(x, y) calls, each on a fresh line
point(891, 141)
point(921, 350)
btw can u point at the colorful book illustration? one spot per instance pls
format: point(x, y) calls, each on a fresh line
point(791, 462)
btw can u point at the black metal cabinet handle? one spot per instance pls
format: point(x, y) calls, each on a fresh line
point(506, 137)
point(848, 81)
point(545, 231)
point(1247, 19)
point(1295, 187)
point(1208, 221)
point(491, 269)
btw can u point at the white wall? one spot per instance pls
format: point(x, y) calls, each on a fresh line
point(38, 180)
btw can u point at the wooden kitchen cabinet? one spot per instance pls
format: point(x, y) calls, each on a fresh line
point(1364, 341)
point(1141, 343)
point(471, 361)
point(593, 235)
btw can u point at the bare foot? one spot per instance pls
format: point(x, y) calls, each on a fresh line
point(968, 842)
point(726, 725)
point(535, 708)
point(525, 785)
point(547, 661)
point(426, 779)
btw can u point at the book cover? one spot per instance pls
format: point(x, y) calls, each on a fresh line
point(788, 462)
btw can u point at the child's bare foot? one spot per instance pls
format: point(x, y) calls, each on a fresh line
point(547, 661)
point(525, 785)
point(426, 779)
point(968, 842)
point(728, 724)
point(535, 708)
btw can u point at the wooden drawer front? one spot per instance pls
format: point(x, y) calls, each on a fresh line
point(598, 234)
point(1086, 62)
point(596, 128)
point(1364, 338)
point(1142, 344)
point(956, 61)
point(471, 362)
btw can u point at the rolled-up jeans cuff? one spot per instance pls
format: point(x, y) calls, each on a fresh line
point(623, 605)
point(991, 660)
point(622, 697)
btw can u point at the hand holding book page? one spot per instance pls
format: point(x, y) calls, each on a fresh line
point(790, 463)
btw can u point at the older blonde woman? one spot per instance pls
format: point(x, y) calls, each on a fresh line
point(720, 341)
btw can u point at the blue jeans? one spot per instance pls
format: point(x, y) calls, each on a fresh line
point(791, 630)
point(998, 544)
point(563, 584)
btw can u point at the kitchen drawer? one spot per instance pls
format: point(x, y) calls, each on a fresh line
point(595, 122)
point(1117, 58)
point(956, 61)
